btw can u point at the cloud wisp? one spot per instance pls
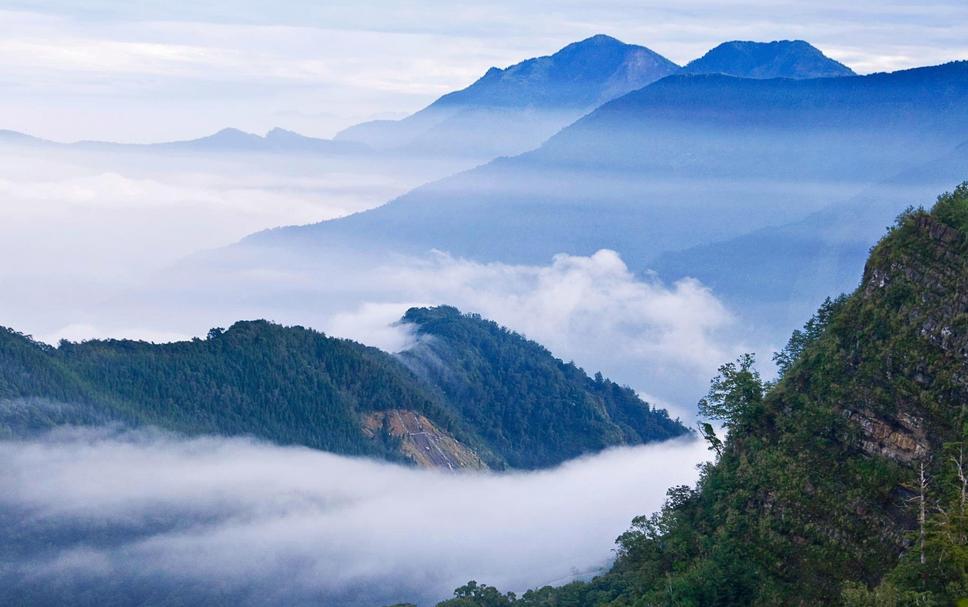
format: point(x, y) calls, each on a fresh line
point(107, 513)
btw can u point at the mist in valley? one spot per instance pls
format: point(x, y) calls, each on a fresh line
point(111, 516)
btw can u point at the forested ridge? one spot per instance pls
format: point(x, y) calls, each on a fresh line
point(842, 483)
point(513, 391)
point(293, 385)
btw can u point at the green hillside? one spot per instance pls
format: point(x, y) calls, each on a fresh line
point(816, 496)
point(292, 385)
point(531, 408)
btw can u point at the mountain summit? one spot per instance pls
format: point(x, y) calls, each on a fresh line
point(581, 75)
point(779, 59)
point(511, 110)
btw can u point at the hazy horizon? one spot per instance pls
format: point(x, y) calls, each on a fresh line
point(160, 72)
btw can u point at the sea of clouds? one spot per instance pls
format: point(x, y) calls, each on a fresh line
point(114, 516)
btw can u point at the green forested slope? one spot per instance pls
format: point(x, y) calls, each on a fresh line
point(816, 495)
point(286, 384)
point(529, 406)
point(296, 386)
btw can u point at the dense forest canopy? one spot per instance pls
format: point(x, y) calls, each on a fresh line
point(515, 392)
point(503, 399)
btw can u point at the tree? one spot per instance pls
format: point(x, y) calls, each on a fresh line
point(473, 594)
point(812, 330)
point(736, 394)
point(709, 434)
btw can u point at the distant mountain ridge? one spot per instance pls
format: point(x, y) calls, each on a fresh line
point(684, 162)
point(583, 74)
point(536, 97)
point(276, 140)
point(779, 59)
point(514, 109)
point(690, 128)
point(295, 386)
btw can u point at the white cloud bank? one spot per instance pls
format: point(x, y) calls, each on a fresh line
point(575, 306)
point(126, 513)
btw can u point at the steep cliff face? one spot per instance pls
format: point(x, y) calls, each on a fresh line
point(920, 275)
point(833, 464)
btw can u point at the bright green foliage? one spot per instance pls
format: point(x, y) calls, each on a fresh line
point(735, 395)
point(951, 210)
point(816, 494)
point(289, 385)
point(941, 576)
point(885, 595)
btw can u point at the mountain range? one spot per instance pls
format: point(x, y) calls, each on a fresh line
point(683, 162)
point(470, 394)
point(508, 111)
point(511, 110)
point(275, 141)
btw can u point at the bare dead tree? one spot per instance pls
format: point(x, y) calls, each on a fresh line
point(922, 517)
point(959, 463)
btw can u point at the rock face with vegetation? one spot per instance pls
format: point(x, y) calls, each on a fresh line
point(293, 385)
point(844, 482)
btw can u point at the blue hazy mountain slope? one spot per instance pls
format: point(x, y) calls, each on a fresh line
point(522, 104)
point(685, 161)
point(778, 59)
point(779, 274)
point(276, 140)
point(581, 75)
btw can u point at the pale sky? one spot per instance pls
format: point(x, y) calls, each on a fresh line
point(155, 70)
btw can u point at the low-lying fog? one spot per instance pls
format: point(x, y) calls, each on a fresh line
point(112, 516)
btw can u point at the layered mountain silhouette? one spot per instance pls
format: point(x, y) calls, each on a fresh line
point(276, 141)
point(683, 162)
point(778, 59)
point(514, 109)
